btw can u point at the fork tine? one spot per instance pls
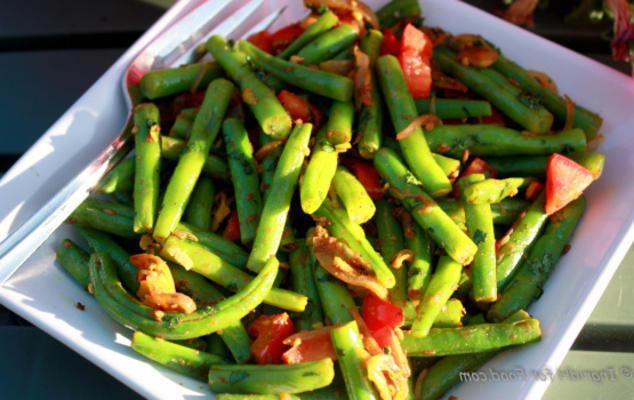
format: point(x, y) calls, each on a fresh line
point(266, 22)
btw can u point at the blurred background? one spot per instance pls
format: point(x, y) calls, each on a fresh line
point(52, 51)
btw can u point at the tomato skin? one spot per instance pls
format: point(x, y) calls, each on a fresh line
point(476, 166)
point(312, 345)
point(379, 313)
point(299, 108)
point(416, 52)
point(390, 44)
point(565, 181)
point(285, 36)
point(262, 40)
point(270, 332)
point(383, 336)
point(369, 178)
point(232, 229)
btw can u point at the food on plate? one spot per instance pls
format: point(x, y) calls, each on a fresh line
point(354, 190)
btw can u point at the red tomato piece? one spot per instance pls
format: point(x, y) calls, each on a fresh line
point(309, 346)
point(476, 166)
point(232, 229)
point(379, 313)
point(285, 36)
point(262, 40)
point(299, 108)
point(414, 40)
point(390, 44)
point(369, 178)
point(383, 336)
point(269, 332)
point(565, 181)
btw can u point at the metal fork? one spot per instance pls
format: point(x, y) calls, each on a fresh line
point(179, 44)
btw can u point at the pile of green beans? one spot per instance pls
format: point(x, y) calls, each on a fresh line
point(257, 211)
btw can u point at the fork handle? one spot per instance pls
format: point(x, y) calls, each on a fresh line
point(20, 244)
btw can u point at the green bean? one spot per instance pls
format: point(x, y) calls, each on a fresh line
point(593, 162)
point(335, 298)
point(326, 45)
point(488, 191)
point(503, 213)
point(424, 209)
point(524, 113)
point(441, 286)
point(167, 82)
point(318, 174)
point(419, 271)
point(314, 81)
point(446, 373)
point(403, 111)
point(355, 198)
point(450, 166)
point(371, 123)
point(183, 123)
point(330, 392)
point(396, 10)
point(74, 260)
point(536, 165)
point(180, 326)
point(450, 315)
point(302, 265)
point(190, 163)
point(198, 211)
point(354, 237)
point(179, 358)
point(270, 378)
point(494, 140)
point(193, 256)
point(340, 122)
point(105, 216)
point(391, 242)
point(480, 228)
point(118, 179)
point(371, 44)
point(326, 21)
point(351, 355)
point(214, 166)
point(244, 176)
point(277, 203)
point(454, 108)
point(527, 284)
point(471, 339)
point(583, 119)
point(234, 336)
point(99, 241)
point(521, 237)
point(223, 248)
point(272, 117)
point(501, 81)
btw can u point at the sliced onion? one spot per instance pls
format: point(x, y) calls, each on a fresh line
point(339, 67)
point(543, 79)
point(428, 121)
point(267, 149)
point(370, 344)
point(367, 13)
point(402, 256)
point(477, 56)
point(362, 79)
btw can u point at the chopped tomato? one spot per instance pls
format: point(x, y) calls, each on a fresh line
point(309, 346)
point(232, 229)
point(390, 44)
point(378, 313)
point(262, 40)
point(299, 108)
point(477, 166)
point(285, 36)
point(386, 337)
point(369, 178)
point(416, 51)
point(414, 40)
point(565, 181)
point(269, 332)
point(533, 190)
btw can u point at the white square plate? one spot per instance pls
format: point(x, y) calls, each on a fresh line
point(44, 294)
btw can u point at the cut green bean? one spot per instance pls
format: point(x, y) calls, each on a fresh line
point(326, 21)
point(183, 124)
point(178, 358)
point(312, 80)
point(340, 122)
point(355, 198)
point(454, 108)
point(191, 161)
point(214, 166)
point(302, 265)
point(450, 315)
point(74, 260)
point(396, 10)
point(326, 45)
point(419, 271)
point(335, 299)
point(319, 173)
point(391, 241)
point(488, 191)
point(270, 378)
point(277, 203)
point(371, 44)
point(119, 178)
point(171, 81)
point(198, 211)
point(403, 111)
point(244, 175)
point(371, 123)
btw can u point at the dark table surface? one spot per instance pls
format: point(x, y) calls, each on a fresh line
point(51, 52)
